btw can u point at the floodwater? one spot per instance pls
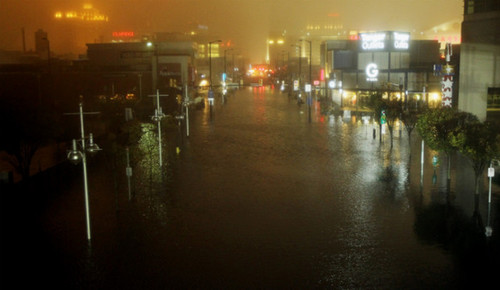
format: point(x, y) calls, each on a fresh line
point(259, 197)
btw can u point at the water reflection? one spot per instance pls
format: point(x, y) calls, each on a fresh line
point(261, 198)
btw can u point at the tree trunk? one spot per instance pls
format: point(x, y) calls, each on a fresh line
point(448, 177)
point(380, 132)
point(390, 132)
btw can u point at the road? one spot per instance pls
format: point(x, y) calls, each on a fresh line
point(259, 197)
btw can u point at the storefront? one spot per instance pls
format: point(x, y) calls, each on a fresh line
point(387, 62)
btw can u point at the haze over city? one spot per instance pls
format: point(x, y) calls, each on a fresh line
point(262, 144)
point(247, 23)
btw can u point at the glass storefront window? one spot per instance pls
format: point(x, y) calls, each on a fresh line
point(493, 98)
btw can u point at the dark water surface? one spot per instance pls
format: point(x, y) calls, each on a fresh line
point(261, 198)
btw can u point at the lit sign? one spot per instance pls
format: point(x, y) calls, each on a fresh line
point(372, 41)
point(401, 40)
point(384, 41)
point(447, 90)
point(123, 34)
point(371, 72)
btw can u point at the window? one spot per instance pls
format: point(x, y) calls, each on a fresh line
point(493, 98)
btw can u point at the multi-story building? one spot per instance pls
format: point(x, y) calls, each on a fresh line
point(479, 86)
point(147, 66)
point(387, 61)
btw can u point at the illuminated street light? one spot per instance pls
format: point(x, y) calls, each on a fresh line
point(75, 155)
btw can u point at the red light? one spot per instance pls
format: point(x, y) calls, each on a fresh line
point(123, 34)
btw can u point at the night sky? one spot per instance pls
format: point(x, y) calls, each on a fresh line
point(246, 22)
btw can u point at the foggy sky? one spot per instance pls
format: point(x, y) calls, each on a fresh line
point(245, 22)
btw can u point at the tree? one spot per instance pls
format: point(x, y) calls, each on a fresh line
point(25, 128)
point(449, 130)
point(435, 127)
point(391, 108)
point(377, 105)
point(477, 141)
point(410, 116)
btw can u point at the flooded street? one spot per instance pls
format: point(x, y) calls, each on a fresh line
point(258, 197)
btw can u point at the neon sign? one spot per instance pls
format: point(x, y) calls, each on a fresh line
point(123, 34)
point(371, 72)
point(384, 41)
point(372, 41)
point(401, 40)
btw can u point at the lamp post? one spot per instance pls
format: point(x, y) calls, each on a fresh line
point(210, 91)
point(157, 117)
point(309, 99)
point(76, 155)
point(224, 77)
point(155, 64)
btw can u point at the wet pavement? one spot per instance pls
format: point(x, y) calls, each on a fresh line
point(258, 197)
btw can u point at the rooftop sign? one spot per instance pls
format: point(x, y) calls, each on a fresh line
point(384, 41)
point(373, 41)
point(123, 34)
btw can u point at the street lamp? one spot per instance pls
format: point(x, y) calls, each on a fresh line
point(157, 117)
point(224, 77)
point(155, 64)
point(75, 155)
point(309, 99)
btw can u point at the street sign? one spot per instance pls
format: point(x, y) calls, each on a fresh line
point(491, 172)
point(210, 94)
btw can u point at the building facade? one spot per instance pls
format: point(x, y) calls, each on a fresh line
point(479, 86)
point(388, 62)
point(144, 66)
